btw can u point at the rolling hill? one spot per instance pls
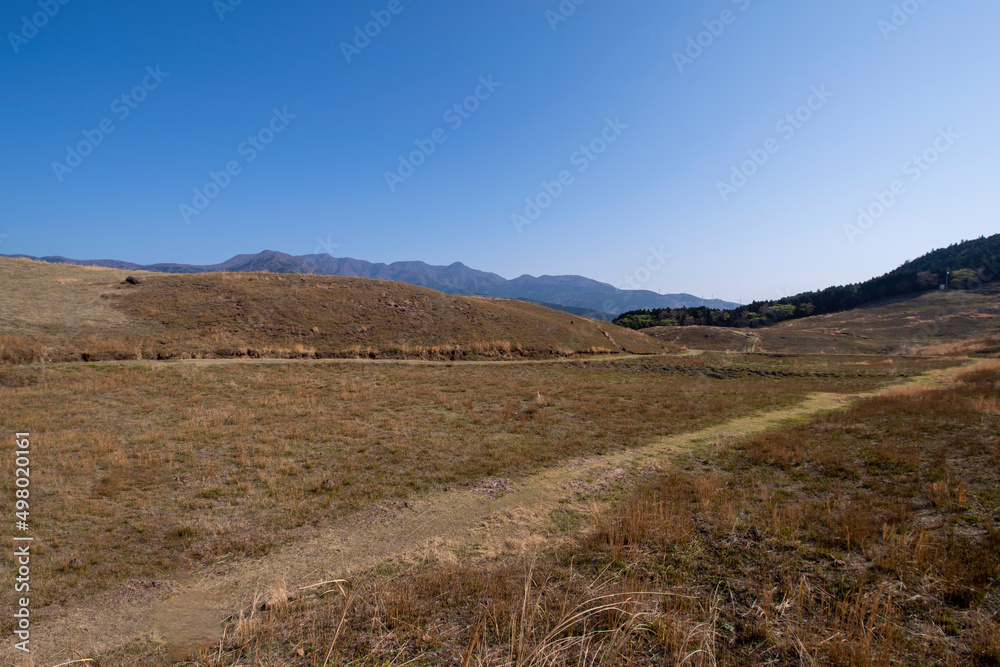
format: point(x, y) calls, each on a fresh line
point(569, 292)
point(64, 312)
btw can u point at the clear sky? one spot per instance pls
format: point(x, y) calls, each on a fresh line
point(309, 129)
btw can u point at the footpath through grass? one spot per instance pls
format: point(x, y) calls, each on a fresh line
point(142, 473)
point(865, 536)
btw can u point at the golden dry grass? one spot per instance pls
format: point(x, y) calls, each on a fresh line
point(987, 346)
point(864, 537)
point(148, 470)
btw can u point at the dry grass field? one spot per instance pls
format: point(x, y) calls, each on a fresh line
point(150, 472)
point(208, 447)
point(866, 536)
point(146, 469)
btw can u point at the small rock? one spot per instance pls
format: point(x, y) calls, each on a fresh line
point(328, 484)
point(300, 652)
point(75, 564)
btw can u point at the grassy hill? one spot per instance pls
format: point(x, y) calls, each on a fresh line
point(963, 322)
point(63, 312)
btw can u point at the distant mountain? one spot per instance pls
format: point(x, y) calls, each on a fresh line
point(574, 294)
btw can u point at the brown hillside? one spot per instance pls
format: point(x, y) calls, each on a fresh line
point(77, 313)
point(959, 322)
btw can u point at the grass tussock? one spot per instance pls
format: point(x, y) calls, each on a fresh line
point(21, 350)
point(986, 346)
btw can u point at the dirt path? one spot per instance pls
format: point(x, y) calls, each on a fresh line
point(494, 517)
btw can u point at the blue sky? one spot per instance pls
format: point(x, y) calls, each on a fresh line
point(640, 136)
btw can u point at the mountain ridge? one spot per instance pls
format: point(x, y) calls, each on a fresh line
point(565, 291)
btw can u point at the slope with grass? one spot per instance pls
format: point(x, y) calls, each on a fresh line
point(952, 322)
point(67, 313)
point(959, 322)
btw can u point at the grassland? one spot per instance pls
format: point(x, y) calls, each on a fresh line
point(148, 469)
point(90, 315)
point(193, 429)
point(149, 472)
point(866, 536)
